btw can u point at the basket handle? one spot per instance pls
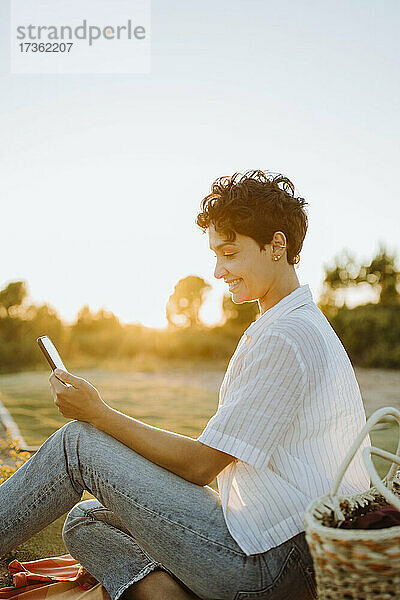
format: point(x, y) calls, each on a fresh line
point(372, 421)
point(376, 480)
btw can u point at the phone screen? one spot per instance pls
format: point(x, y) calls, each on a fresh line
point(50, 352)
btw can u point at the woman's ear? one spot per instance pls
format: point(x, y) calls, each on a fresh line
point(278, 245)
point(279, 240)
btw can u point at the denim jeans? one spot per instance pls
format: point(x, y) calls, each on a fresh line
point(144, 518)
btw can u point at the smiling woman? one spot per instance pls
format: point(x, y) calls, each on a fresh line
point(255, 205)
point(244, 215)
point(282, 426)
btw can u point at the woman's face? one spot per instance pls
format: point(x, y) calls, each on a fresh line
point(249, 272)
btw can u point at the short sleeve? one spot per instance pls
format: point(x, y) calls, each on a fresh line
point(260, 403)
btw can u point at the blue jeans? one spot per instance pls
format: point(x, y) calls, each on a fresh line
point(145, 518)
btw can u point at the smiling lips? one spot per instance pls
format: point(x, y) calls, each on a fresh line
point(232, 284)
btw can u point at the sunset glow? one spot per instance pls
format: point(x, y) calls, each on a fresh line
point(103, 175)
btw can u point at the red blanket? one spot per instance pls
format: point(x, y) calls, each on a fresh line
point(52, 579)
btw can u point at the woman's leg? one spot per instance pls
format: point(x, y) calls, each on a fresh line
point(179, 524)
point(47, 486)
point(99, 540)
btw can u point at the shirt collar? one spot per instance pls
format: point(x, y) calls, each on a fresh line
point(299, 297)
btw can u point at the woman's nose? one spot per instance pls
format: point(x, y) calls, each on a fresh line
point(219, 271)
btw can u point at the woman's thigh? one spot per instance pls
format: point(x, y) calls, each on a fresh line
point(180, 524)
point(203, 567)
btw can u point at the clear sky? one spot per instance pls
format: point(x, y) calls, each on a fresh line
point(102, 175)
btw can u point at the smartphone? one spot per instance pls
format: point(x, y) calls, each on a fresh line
point(50, 352)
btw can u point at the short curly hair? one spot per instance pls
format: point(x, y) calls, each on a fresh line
point(256, 204)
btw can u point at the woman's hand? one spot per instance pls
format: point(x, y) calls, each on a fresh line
point(80, 400)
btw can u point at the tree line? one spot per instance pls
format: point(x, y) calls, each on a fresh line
point(99, 336)
point(369, 332)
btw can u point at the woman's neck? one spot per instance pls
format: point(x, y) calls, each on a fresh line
point(275, 294)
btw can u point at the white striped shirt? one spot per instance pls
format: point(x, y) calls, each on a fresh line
point(289, 409)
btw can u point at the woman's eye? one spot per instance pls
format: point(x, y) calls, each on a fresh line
point(233, 254)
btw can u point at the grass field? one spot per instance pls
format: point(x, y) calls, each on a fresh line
point(179, 400)
point(173, 401)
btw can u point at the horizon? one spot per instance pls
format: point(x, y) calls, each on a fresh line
point(103, 174)
point(358, 295)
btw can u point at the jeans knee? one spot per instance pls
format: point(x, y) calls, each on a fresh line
point(77, 427)
point(75, 431)
point(79, 515)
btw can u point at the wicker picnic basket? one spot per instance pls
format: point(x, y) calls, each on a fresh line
point(356, 564)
